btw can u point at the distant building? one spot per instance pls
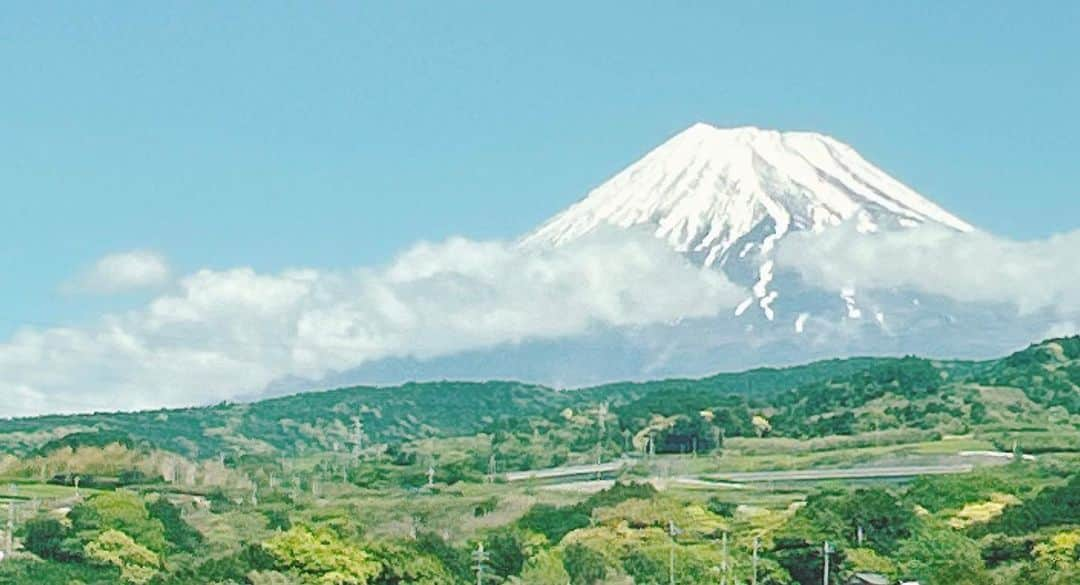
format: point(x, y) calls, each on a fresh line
point(868, 579)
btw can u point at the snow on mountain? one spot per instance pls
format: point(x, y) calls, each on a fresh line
point(725, 197)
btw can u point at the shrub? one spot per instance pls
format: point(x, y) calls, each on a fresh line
point(584, 565)
point(45, 538)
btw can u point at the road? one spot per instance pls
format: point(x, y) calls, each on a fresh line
point(848, 473)
point(568, 471)
point(578, 471)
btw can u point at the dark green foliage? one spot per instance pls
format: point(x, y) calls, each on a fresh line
point(486, 507)
point(942, 556)
point(721, 507)
point(1039, 441)
point(644, 568)
point(455, 560)
point(506, 552)
point(45, 537)
point(129, 477)
point(1053, 506)
point(555, 523)
point(84, 480)
point(825, 408)
point(999, 548)
point(810, 401)
point(403, 564)
point(121, 511)
point(88, 439)
point(220, 501)
point(1042, 373)
point(180, 535)
point(276, 518)
point(406, 412)
point(584, 565)
point(805, 560)
point(618, 493)
point(228, 569)
point(937, 493)
point(689, 434)
point(18, 572)
point(884, 519)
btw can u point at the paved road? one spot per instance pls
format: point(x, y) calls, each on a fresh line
point(572, 471)
point(849, 473)
point(568, 471)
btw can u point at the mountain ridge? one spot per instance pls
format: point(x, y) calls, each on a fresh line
point(322, 419)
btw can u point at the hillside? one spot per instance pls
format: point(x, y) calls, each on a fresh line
point(278, 491)
point(1034, 387)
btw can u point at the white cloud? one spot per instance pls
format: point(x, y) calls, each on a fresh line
point(226, 333)
point(968, 267)
point(123, 271)
point(1062, 329)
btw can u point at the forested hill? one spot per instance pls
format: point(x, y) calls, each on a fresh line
point(827, 397)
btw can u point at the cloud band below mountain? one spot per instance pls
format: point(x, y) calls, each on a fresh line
point(1040, 275)
point(221, 334)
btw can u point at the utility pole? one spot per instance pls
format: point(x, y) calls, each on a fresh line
point(358, 436)
point(672, 530)
point(825, 551)
point(757, 546)
point(10, 543)
point(725, 568)
point(492, 468)
point(481, 557)
point(601, 429)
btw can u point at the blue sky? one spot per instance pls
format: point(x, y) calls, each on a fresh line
point(278, 135)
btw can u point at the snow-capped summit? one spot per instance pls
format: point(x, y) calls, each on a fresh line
point(727, 199)
point(719, 192)
point(726, 196)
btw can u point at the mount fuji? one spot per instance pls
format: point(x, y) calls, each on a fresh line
point(727, 197)
point(730, 200)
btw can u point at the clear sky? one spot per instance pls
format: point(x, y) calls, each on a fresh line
point(276, 135)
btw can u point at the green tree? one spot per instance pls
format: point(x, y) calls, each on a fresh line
point(554, 523)
point(137, 563)
point(804, 560)
point(506, 551)
point(45, 538)
point(321, 557)
point(405, 565)
point(882, 517)
point(942, 556)
point(455, 560)
point(584, 565)
point(120, 511)
point(545, 568)
point(178, 533)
